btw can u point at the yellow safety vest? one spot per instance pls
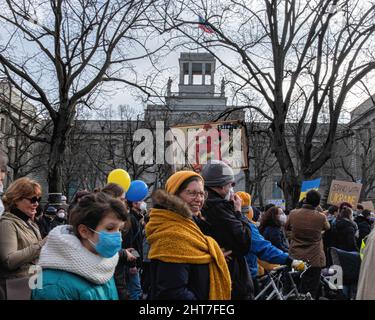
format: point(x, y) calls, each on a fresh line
point(363, 246)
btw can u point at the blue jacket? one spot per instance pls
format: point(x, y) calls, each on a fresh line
point(264, 250)
point(62, 285)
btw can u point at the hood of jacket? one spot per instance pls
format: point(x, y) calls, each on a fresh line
point(163, 200)
point(64, 251)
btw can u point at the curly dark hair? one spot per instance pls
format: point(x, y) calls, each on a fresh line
point(93, 208)
point(269, 218)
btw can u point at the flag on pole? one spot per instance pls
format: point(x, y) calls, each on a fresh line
point(203, 25)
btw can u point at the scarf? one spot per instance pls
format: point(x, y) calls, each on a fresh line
point(176, 239)
point(64, 251)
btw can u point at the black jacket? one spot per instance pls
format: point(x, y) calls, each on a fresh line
point(345, 235)
point(178, 281)
point(231, 231)
point(364, 228)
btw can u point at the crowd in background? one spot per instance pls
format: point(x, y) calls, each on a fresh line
point(198, 240)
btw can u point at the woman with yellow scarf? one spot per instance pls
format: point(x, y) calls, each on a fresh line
point(185, 263)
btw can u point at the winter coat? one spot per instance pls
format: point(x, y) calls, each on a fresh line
point(178, 281)
point(72, 272)
point(304, 228)
point(276, 236)
point(366, 282)
point(264, 250)
point(364, 228)
point(19, 245)
point(229, 228)
point(345, 238)
point(62, 285)
point(185, 263)
point(46, 224)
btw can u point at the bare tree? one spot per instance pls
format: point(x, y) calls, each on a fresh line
point(59, 53)
point(299, 58)
point(25, 155)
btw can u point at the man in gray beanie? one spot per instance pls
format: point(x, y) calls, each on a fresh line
point(222, 212)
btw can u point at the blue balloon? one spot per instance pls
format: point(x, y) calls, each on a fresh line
point(138, 190)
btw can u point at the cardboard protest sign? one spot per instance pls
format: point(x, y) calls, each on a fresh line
point(369, 205)
point(343, 191)
point(277, 202)
point(307, 186)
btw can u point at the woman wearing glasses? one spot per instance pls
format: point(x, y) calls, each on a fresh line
point(185, 263)
point(20, 239)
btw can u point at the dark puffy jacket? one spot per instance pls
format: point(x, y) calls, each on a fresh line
point(364, 228)
point(345, 235)
point(275, 235)
point(178, 281)
point(231, 232)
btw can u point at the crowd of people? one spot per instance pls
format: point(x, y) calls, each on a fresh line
point(200, 240)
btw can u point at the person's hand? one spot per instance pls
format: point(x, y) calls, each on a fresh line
point(299, 265)
point(129, 255)
point(227, 254)
point(237, 202)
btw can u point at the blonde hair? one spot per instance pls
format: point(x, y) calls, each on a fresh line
point(19, 189)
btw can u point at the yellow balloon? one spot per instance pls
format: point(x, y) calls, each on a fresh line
point(120, 177)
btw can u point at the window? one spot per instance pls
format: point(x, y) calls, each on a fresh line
point(185, 72)
point(207, 73)
point(197, 73)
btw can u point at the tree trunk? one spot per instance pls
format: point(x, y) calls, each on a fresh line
point(289, 183)
point(247, 180)
point(61, 132)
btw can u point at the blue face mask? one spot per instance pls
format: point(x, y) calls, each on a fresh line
point(109, 243)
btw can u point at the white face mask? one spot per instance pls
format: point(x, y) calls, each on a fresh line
point(229, 194)
point(1, 188)
point(61, 214)
point(283, 218)
point(143, 206)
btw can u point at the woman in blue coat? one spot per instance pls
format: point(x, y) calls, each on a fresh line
point(261, 248)
point(79, 260)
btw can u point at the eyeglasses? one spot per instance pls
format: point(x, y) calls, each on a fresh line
point(34, 199)
point(194, 194)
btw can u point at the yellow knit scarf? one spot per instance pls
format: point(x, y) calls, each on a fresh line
point(176, 239)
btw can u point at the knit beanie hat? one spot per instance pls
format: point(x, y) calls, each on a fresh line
point(178, 178)
point(246, 204)
point(217, 173)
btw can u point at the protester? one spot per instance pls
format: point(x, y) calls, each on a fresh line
point(364, 223)
point(304, 227)
point(366, 283)
point(185, 263)
point(261, 248)
point(127, 273)
point(79, 261)
point(330, 235)
point(346, 230)
point(20, 239)
point(271, 228)
point(49, 220)
point(3, 171)
point(222, 211)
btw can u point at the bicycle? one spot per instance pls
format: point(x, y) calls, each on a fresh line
point(283, 287)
